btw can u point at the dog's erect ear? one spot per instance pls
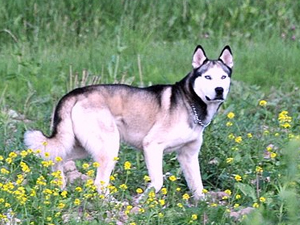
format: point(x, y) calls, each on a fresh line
point(226, 56)
point(199, 57)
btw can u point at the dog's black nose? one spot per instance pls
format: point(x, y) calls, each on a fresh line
point(219, 90)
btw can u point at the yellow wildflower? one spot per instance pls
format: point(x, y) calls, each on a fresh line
point(4, 171)
point(128, 208)
point(78, 189)
point(262, 103)
point(162, 202)
point(231, 136)
point(258, 169)
point(180, 205)
point(194, 217)
point(64, 194)
point(112, 189)
point(9, 160)
point(172, 178)
point(255, 205)
point(58, 159)
point(77, 201)
point(90, 173)
point(57, 174)
point(270, 148)
point(47, 163)
point(13, 155)
point(238, 178)
point(141, 210)
point(139, 191)
point(230, 115)
point(146, 178)
point(229, 124)
point(85, 166)
point(238, 139)
point(262, 199)
point(25, 168)
point(23, 153)
point(273, 155)
point(160, 215)
point(41, 181)
point(38, 151)
point(285, 125)
point(123, 186)
point(96, 164)
point(32, 193)
point(284, 119)
point(151, 194)
point(48, 191)
point(229, 160)
point(185, 196)
point(164, 191)
point(204, 191)
point(61, 205)
point(228, 192)
point(127, 165)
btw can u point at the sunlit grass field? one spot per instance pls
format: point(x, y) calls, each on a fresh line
point(250, 155)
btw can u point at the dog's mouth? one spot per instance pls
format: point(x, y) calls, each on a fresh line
point(216, 99)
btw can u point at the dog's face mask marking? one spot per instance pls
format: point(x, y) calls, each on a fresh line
point(213, 84)
point(212, 80)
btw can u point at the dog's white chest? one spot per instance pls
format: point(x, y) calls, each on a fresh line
point(182, 136)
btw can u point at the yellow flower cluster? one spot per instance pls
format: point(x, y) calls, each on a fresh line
point(230, 116)
point(284, 119)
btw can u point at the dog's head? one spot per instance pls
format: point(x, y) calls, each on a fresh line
point(212, 77)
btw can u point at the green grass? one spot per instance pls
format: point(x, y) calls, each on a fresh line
point(147, 42)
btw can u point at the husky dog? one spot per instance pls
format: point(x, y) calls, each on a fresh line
point(93, 120)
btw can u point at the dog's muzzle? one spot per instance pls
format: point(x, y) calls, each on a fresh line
point(219, 95)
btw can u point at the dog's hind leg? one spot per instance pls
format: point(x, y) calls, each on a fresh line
point(99, 136)
point(106, 157)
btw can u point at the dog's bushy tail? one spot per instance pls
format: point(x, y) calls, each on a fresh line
point(48, 147)
point(62, 140)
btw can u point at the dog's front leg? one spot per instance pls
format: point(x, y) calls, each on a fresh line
point(188, 159)
point(154, 161)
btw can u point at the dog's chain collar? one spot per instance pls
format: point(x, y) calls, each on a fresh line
point(196, 117)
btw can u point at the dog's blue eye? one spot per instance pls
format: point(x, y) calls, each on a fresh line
point(207, 77)
point(223, 77)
